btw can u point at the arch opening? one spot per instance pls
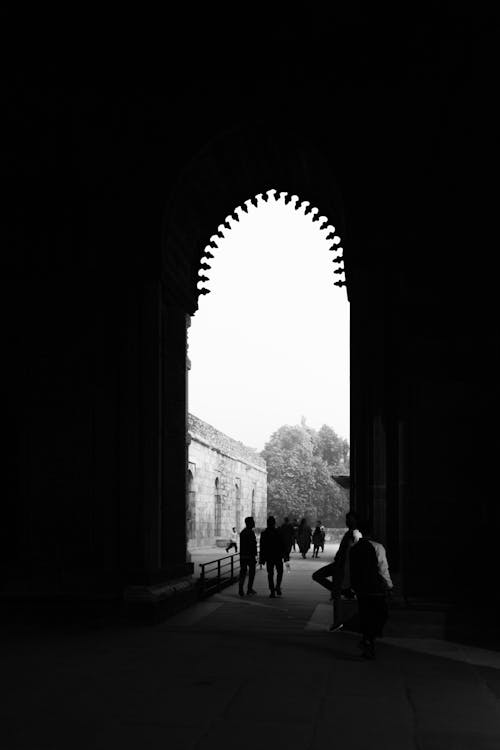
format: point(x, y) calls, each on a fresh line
point(303, 207)
point(250, 284)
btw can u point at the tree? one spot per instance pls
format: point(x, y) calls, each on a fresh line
point(299, 473)
point(333, 449)
point(288, 455)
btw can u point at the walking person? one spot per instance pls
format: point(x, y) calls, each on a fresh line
point(339, 571)
point(287, 532)
point(248, 556)
point(304, 537)
point(233, 537)
point(316, 539)
point(272, 552)
point(323, 536)
point(295, 526)
point(372, 583)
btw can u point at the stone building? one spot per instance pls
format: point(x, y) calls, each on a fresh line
point(227, 481)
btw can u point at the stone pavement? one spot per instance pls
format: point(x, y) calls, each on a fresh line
point(253, 673)
point(207, 554)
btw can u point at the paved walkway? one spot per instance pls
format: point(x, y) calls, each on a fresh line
point(253, 673)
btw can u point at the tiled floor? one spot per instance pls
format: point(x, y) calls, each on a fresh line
point(253, 673)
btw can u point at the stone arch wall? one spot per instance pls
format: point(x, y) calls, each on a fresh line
point(302, 206)
point(231, 171)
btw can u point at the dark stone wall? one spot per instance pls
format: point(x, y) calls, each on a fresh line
point(120, 164)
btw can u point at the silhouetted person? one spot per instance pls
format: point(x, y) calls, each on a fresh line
point(304, 537)
point(295, 525)
point(272, 552)
point(316, 540)
point(248, 556)
point(232, 540)
point(323, 536)
point(339, 570)
point(287, 532)
point(371, 581)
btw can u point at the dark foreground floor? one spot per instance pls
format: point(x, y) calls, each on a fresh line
point(255, 673)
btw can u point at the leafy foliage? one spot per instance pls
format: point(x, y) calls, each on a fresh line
point(300, 462)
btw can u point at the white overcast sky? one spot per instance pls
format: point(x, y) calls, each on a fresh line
point(270, 343)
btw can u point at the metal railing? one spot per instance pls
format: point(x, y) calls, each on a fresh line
point(217, 574)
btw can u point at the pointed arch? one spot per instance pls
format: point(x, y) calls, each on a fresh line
point(217, 508)
point(191, 508)
point(220, 182)
point(303, 207)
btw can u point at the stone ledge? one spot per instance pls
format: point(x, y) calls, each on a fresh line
point(156, 593)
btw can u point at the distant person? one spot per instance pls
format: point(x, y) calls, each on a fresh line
point(295, 525)
point(287, 532)
point(339, 571)
point(316, 540)
point(272, 552)
point(323, 536)
point(371, 580)
point(248, 556)
point(233, 538)
point(304, 537)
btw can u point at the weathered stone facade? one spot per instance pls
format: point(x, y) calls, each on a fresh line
point(227, 481)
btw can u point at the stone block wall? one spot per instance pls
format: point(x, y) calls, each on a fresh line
point(241, 477)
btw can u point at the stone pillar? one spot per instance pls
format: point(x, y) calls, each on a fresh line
point(359, 444)
point(402, 502)
point(378, 490)
point(140, 433)
point(174, 441)
point(155, 459)
point(394, 388)
point(151, 387)
point(368, 418)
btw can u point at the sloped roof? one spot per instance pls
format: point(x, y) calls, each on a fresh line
point(344, 480)
point(205, 433)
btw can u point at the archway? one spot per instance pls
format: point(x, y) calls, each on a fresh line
point(273, 308)
point(191, 509)
point(237, 505)
point(230, 171)
point(222, 179)
point(217, 509)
